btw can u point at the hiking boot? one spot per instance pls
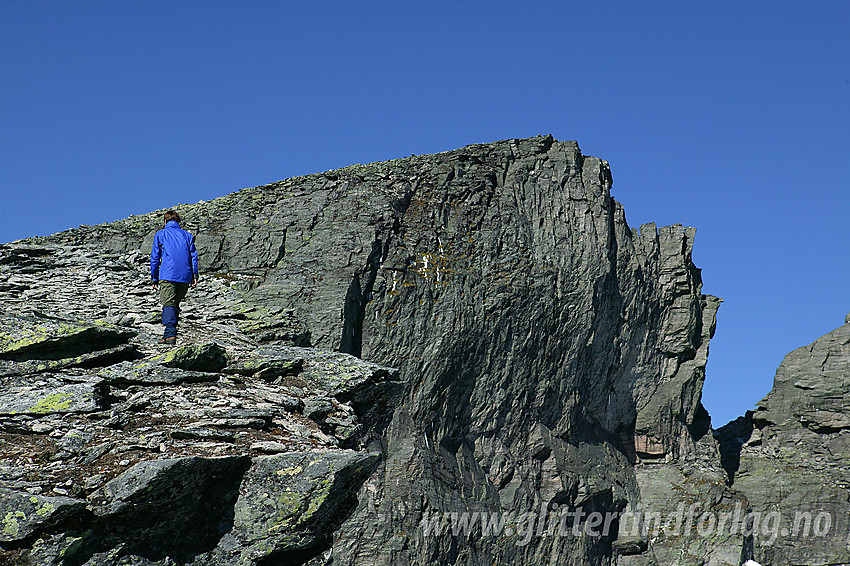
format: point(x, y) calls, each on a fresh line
point(170, 340)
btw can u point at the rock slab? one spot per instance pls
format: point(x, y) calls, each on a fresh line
point(290, 505)
point(25, 515)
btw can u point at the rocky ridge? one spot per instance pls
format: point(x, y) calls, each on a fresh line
point(790, 455)
point(548, 358)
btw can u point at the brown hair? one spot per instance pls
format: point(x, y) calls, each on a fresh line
point(171, 215)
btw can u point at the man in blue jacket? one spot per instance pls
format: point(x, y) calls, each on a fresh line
point(174, 266)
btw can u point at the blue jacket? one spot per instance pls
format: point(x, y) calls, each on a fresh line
point(173, 255)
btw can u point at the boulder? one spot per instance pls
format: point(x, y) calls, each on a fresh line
point(173, 508)
point(23, 338)
point(39, 400)
point(267, 369)
point(208, 357)
point(25, 515)
point(290, 505)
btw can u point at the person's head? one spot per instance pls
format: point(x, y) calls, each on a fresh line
point(171, 215)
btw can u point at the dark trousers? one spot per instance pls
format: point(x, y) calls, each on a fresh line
point(170, 295)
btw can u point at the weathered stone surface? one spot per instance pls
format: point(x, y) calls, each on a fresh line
point(201, 433)
point(267, 369)
point(690, 515)
point(340, 374)
point(508, 288)
point(290, 505)
point(146, 373)
point(173, 508)
point(40, 400)
point(790, 456)
point(270, 447)
point(25, 515)
point(209, 357)
point(361, 394)
point(154, 486)
point(91, 360)
point(145, 413)
point(50, 339)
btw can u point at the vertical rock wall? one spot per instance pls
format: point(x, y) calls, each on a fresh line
point(546, 347)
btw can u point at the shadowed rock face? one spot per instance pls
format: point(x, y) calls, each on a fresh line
point(549, 358)
point(536, 331)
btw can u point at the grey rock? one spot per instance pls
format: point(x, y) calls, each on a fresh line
point(687, 499)
point(93, 482)
point(25, 515)
point(290, 505)
point(146, 373)
point(273, 371)
point(318, 407)
point(343, 425)
point(92, 453)
point(254, 423)
point(174, 508)
point(152, 318)
point(509, 290)
point(209, 357)
point(139, 401)
point(126, 320)
point(42, 428)
point(34, 400)
point(71, 444)
point(247, 368)
point(266, 369)
point(25, 424)
point(150, 486)
point(372, 390)
point(203, 434)
point(117, 421)
point(98, 358)
point(23, 338)
point(74, 440)
point(23, 254)
point(340, 375)
point(270, 447)
point(334, 418)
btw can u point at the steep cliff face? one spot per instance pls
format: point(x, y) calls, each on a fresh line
point(545, 344)
point(548, 358)
point(790, 456)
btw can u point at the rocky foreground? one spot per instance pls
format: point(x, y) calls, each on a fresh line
point(374, 350)
point(126, 447)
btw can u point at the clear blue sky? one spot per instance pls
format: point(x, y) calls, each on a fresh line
point(730, 116)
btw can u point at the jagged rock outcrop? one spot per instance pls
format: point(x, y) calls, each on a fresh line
point(549, 364)
point(790, 456)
